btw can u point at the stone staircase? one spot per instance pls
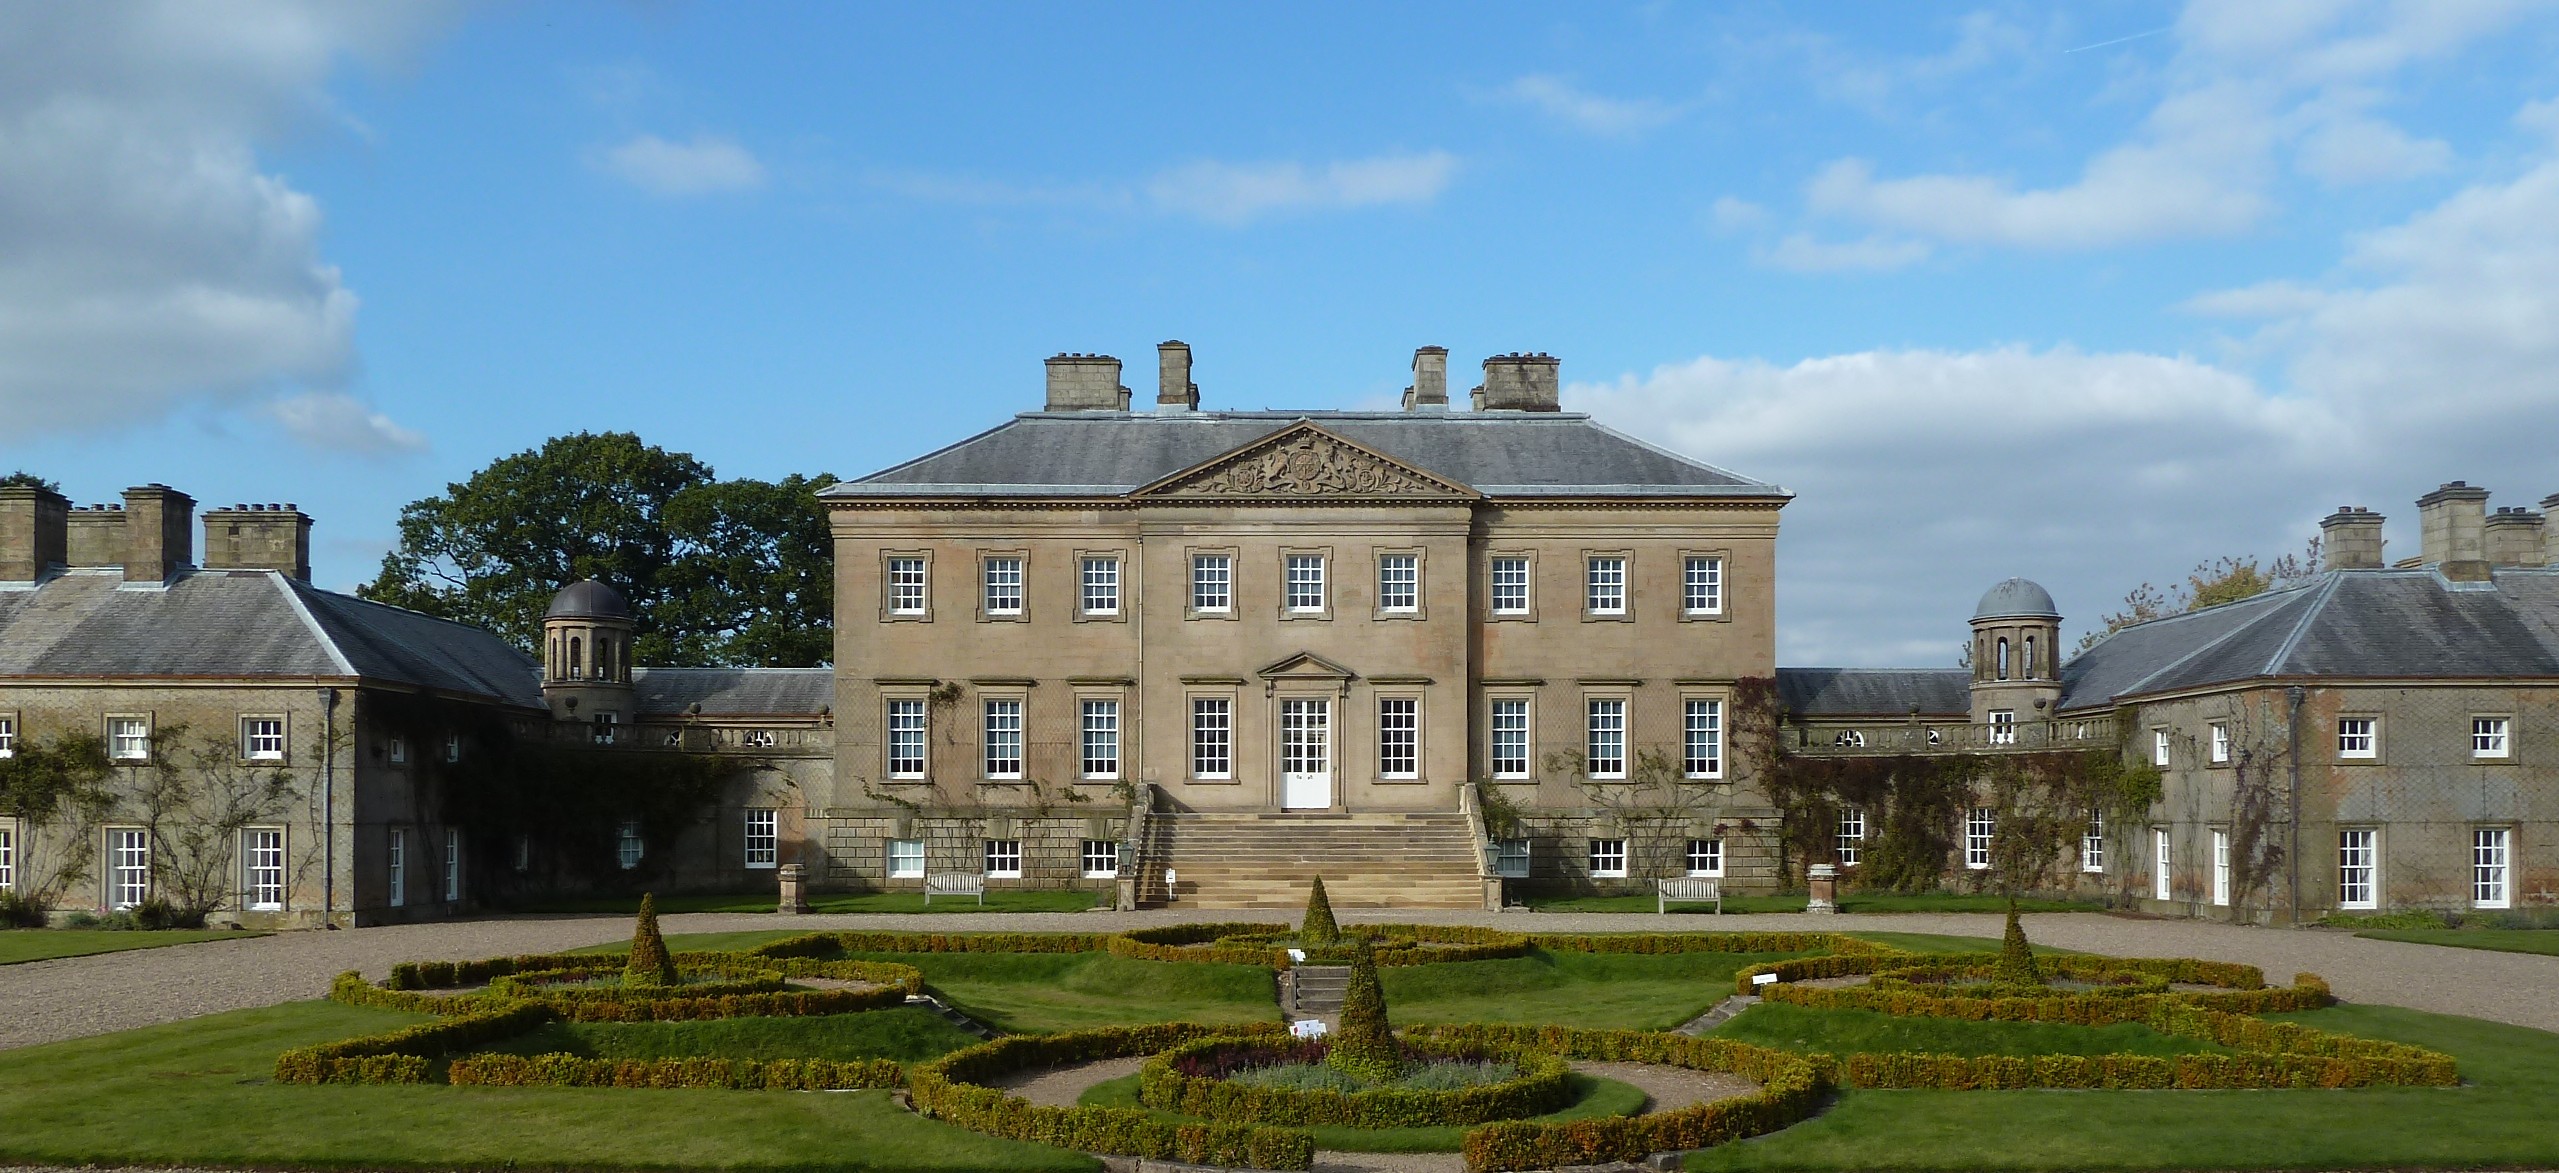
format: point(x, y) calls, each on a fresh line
point(1368, 860)
point(1313, 991)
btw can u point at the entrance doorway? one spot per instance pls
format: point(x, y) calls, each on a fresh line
point(1306, 754)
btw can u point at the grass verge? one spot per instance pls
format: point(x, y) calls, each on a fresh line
point(1636, 991)
point(2542, 941)
point(1847, 1032)
point(1002, 900)
point(2499, 1119)
point(197, 1093)
point(1794, 902)
point(1592, 1098)
point(17, 945)
point(905, 1034)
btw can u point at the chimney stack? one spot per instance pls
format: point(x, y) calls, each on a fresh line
point(259, 537)
point(33, 532)
point(1174, 390)
point(1429, 391)
point(159, 532)
point(2452, 531)
point(1519, 382)
point(2549, 533)
point(95, 536)
point(2350, 539)
point(2514, 538)
point(1085, 382)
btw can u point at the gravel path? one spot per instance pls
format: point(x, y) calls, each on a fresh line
point(1061, 1087)
point(78, 996)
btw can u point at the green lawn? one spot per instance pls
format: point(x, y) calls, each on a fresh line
point(905, 1034)
point(197, 1093)
point(1592, 1098)
point(1847, 1032)
point(1939, 943)
point(2499, 1119)
point(1000, 900)
point(1567, 989)
point(1794, 902)
point(18, 945)
point(2544, 941)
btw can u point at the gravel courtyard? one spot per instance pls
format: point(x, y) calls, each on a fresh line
point(78, 996)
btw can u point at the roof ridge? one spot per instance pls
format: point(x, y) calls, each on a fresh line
point(292, 588)
point(2206, 646)
point(2318, 603)
point(953, 446)
point(1692, 461)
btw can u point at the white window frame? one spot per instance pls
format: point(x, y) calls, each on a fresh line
point(2359, 738)
point(1702, 728)
point(1509, 721)
point(1701, 585)
point(262, 739)
point(2163, 863)
point(1510, 578)
point(909, 739)
point(1399, 583)
point(1399, 737)
point(606, 728)
point(1604, 584)
point(1848, 836)
point(2358, 868)
point(1213, 738)
point(1097, 579)
point(399, 751)
point(1706, 858)
point(262, 869)
point(1003, 859)
point(8, 735)
point(1213, 584)
point(128, 867)
point(2003, 726)
point(2220, 867)
point(1098, 736)
point(1001, 584)
point(2218, 734)
point(2092, 844)
point(2492, 738)
point(762, 845)
point(395, 860)
point(128, 739)
point(1000, 737)
point(629, 846)
point(1101, 859)
point(1302, 584)
point(910, 585)
point(904, 859)
point(1511, 857)
point(2159, 747)
point(1608, 859)
point(8, 855)
point(2492, 867)
point(1980, 824)
point(1604, 736)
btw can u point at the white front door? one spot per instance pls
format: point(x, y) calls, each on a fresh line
point(1306, 754)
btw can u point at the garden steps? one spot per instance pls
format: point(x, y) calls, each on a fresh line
point(951, 1014)
point(1719, 1014)
point(1313, 991)
point(1265, 860)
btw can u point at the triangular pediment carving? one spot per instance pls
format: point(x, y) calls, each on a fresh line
point(1305, 462)
point(1305, 666)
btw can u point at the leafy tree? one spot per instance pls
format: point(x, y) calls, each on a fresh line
point(2209, 584)
point(59, 783)
point(754, 579)
point(31, 480)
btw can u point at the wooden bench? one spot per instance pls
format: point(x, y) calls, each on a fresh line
point(969, 884)
point(1687, 890)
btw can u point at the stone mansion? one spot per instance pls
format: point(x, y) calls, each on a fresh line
point(1189, 656)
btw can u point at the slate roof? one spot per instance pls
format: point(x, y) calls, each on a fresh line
point(247, 623)
point(1501, 454)
point(734, 692)
point(1874, 692)
point(2344, 624)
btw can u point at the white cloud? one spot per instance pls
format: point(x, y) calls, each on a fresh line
point(334, 421)
point(1801, 253)
point(2361, 150)
point(1730, 214)
point(707, 164)
point(145, 258)
point(2542, 116)
point(1564, 102)
point(1236, 193)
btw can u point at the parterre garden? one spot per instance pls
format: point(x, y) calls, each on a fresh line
point(801, 1051)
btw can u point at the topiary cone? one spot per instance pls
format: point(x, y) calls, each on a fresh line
point(651, 964)
point(2016, 961)
point(1319, 927)
point(1364, 1047)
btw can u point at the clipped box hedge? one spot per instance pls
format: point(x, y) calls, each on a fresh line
point(404, 1056)
point(821, 944)
point(562, 1070)
point(1203, 942)
point(949, 1089)
point(1543, 1084)
point(1836, 943)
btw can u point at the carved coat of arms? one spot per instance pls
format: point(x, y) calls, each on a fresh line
point(1308, 464)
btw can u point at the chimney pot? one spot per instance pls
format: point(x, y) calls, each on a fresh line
point(1429, 391)
point(1174, 390)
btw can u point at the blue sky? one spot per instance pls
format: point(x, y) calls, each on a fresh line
point(2086, 294)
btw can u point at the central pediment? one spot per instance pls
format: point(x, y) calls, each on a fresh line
point(1303, 462)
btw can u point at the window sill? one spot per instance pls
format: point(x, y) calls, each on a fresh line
point(762, 867)
point(1703, 616)
point(1608, 617)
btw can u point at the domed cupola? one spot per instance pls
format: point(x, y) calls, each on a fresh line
point(2016, 676)
point(586, 657)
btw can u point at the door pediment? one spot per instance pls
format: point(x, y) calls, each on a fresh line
point(1304, 462)
point(1306, 668)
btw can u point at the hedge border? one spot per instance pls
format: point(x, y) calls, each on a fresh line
point(946, 1089)
point(1542, 1085)
point(860, 941)
point(894, 984)
point(1791, 1089)
point(565, 1070)
point(406, 1055)
point(1203, 942)
point(1839, 944)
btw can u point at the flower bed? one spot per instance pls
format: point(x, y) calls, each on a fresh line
point(950, 1089)
point(1195, 1079)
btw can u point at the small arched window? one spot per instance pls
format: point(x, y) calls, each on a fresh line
point(2003, 657)
point(603, 658)
point(577, 659)
point(2031, 663)
point(556, 669)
